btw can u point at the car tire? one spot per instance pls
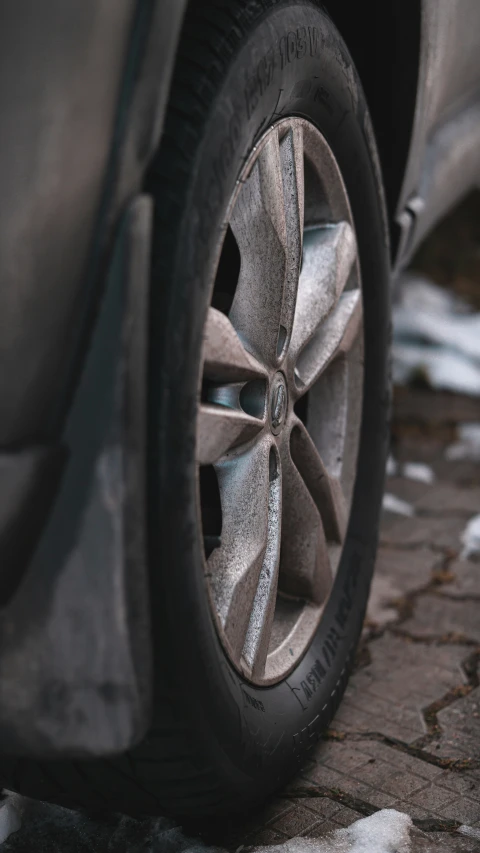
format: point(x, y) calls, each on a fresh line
point(221, 740)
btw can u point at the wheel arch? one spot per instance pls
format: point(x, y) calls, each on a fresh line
point(384, 39)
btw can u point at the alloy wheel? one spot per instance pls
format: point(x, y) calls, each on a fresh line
point(280, 402)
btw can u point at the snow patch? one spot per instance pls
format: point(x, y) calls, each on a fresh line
point(411, 470)
point(393, 504)
point(470, 538)
point(386, 831)
point(420, 294)
point(418, 471)
point(9, 820)
point(468, 444)
point(436, 337)
point(470, 831)
point(46, 827)
point(441, 368)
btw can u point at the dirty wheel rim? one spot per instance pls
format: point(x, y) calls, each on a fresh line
point(280, 403)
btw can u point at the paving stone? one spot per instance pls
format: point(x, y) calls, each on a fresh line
point(233, 833)
point(294, 821)
point(324, 776)
point(322, 807)
point(402, 761)
point(328, 815)
point(298, 781)
point(405, 677)
point(341, 755)
point(388, 520)
point(396, 782)
point(345, 817)
point(442, 842)
point(377, 798)
point(463, 471)
point(433, 798)
point(423, 448)
point(381, 609)
point(350, 719)
point(275, 809)
point(434, 407)
point(438, 615)
point(449, 498)
point(402, 784)
point(451, 751)
point(441, 533)
point(348, 784)
point(407, 490)
point(394, 577)
point(376, 773)
point(366, 793)
point(465, 810)
point(460, 728)
point(265, 837)
point(415, 812)
point(379, 706)
point(322, 829)
point(407, 573)
point(459, 783)
point(466, 579)
point(364, 678)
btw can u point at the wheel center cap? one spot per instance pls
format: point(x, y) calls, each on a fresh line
point(278, 403)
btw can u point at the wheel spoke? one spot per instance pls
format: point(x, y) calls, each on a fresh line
point(334, 337)
point(334, 416)
point(267, 222)
point(260, 626)
point(328, 256)
point(220, 429)
point(325, 490)
point(246, 542)
point(225, 357)
point(291, 154)
point(305, 570)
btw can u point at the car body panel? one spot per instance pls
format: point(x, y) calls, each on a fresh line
point(75, 660)
point(444, 157)
point(60, 77)
point(75, 656)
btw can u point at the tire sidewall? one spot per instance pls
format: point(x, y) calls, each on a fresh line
point(293, 63)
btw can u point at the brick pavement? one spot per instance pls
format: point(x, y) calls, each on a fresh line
point(407, 734)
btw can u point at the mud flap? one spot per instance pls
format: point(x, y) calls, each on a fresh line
point(75, 656)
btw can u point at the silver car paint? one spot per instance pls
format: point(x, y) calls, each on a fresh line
point(444, 158)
